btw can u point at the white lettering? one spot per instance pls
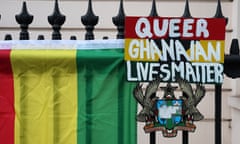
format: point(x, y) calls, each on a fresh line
point(187, 26)
point(160, 32)
point(133, 50)
point(167, 74)
point(153, 72)
point(180, 51)
point(143, 28)
point(167, 49)
point(190, 72)
point(201, 29)
point(143, 71)
point(144, 49)
point(214, 53)
point(174, 28)
point(129, 72)
point(199, 52)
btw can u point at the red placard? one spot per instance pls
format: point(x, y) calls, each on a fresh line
point(173, 27)
point(169, 46)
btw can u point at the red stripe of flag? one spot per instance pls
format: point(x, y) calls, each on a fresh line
point(7, 114)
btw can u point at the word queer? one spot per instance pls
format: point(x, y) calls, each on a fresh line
point(171, 27)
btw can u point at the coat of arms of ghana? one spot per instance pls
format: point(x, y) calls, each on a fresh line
point(169, 114)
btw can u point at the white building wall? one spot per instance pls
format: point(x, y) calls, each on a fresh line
point(106, 9)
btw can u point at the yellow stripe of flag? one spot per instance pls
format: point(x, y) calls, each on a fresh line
point(45, 96)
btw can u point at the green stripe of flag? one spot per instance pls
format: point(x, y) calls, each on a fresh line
point(106, 108)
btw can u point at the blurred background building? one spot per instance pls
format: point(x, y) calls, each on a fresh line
point(106, 9)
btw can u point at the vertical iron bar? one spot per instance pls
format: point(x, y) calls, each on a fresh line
point(56, 19)
point(185, 134)
point(218, 114)
point(186, 14)
point(185, 137)
point(153, 138)
point(23, 19)
point(89, 20)
point(218, 90)
point(153, 13)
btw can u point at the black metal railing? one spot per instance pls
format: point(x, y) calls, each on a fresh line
point(90, 20)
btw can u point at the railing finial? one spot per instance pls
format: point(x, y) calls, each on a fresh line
point(40, 37)
point(153, 9)
point(8, 37)
point(219, 13)
point(234, 49)
point(89, 20)
point(232, 60)
point(119, 21)
point(24, 19)
point(186, 13)
point(73, 37)
point(56, 20)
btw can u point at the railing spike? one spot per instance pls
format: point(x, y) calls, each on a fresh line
point(219, 13)
point(56, 20)
point(153, 9)
point(8, 37)
point(24, 19)
point(73, 38)
point(105, 37)
point(232, 60)
point(119, 21)
point(40, 37)
point(234, 49)
point(187, 13)
point(89, 20)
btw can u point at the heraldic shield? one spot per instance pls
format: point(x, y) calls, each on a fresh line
point(169, 114)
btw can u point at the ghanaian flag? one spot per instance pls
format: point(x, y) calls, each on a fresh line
point(65, 96)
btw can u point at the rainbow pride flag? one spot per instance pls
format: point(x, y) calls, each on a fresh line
point(65, 94)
